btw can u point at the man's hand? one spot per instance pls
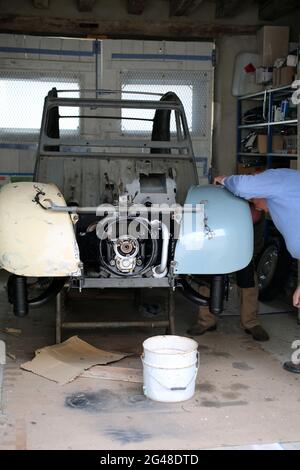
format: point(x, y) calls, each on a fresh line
point(219, 179)
point(296, 297)
point(255, 214)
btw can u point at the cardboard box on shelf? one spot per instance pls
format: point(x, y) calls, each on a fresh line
point(283, 76)
point(244, 169)
point(262, 143)
point(277, 143)
point(287, 75)
point(273, 42)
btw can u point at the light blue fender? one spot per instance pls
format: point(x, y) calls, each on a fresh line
point(218, 241)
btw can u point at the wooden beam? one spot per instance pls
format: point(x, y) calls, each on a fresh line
point(41, 4)
point(135, 7)
point(183, 7)
point(273, 9)
point(85, 5)
point(127, 29)
point(228, 8)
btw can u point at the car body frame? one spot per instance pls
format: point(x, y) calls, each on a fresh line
point(111, 206)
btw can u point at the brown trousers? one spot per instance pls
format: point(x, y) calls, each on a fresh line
point(248, 308)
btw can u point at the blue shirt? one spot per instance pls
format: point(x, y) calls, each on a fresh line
point(281, 189)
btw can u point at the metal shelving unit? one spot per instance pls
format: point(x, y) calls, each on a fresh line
point(264, 124)
point(267, 99)
point(268, 126)
point(292, 156)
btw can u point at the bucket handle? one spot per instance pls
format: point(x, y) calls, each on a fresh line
point(176, 389)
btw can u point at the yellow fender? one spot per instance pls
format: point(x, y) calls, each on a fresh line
point(35, 241)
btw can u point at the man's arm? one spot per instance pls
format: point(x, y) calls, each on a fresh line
point(220, 179)
point(262, 185)
point(296, 297)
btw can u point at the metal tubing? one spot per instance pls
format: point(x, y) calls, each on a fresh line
point(161, 269)
point(113, 103)
point(107, 155)
point(191, 293)
point(217, 291)
point(114, 211)
point(115, 324)
point(117, 143)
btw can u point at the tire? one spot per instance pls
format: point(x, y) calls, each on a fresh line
point(40, 290)
point(272, 268)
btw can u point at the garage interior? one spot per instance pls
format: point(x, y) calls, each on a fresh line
point(211, 53)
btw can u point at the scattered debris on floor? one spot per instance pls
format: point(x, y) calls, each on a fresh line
point(123, 374)
point(64, 362)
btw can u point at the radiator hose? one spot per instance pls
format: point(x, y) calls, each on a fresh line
point(17, 293)
point(217, 292)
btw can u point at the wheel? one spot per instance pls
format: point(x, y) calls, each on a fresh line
point(272, 268)
point(39, 289)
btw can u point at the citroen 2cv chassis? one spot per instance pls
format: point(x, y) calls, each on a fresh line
point(115, 204)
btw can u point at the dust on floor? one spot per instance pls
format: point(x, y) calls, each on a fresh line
point(243, 396)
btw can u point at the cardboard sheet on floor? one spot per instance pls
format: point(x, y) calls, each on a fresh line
point(66, 361)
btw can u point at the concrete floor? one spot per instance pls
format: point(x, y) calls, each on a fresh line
point(243, 399)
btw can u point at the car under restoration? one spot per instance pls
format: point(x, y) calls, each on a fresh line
point(116, 203)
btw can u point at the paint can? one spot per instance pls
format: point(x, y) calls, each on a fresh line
point(170, 366)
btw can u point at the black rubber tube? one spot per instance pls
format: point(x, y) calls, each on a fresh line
point(190, 293)
point(20, 296)
point(217, 291)
point(161, 123)
point(52, 290)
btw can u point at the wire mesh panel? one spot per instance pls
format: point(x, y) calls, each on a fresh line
point(192, 87)
point(30, 73)
point(21, 102)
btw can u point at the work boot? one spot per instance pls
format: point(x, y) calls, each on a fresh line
point(206, 321)
point(258, 333)
point(249, 307)
point(198, 329)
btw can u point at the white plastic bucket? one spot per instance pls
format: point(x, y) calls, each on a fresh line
point(170, 366)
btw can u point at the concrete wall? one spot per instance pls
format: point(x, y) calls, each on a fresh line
point(175, 60)
point(78, 57)
point(157, 11)
point(225, 105)
point(25, 56)
point(71, 56)
point(40, 57)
